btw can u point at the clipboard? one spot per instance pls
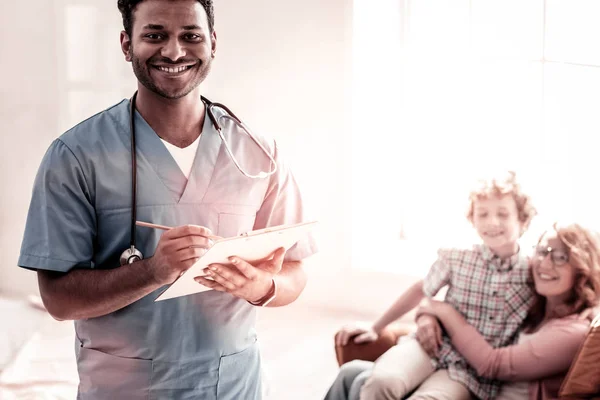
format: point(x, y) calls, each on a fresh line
point(250, 246)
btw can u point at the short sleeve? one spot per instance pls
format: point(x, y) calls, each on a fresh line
point(439, 274)
point(61, 223)
point(283, 206)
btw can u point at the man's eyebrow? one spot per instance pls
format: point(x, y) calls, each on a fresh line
point(154, 27)
point(191, 27)
point(157, 27)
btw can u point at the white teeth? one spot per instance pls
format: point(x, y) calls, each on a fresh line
point(546, 277)
point(172, 70)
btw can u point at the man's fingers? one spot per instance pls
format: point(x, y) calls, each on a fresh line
point(248, 270)
point(273, 262)
point(222, 281)
point(189, 253)
point(210, 284)
point(227, 273)
point(277, 260)
point(197, 235)
point(190, 230)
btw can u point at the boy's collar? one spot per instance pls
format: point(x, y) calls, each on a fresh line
point(506, 265)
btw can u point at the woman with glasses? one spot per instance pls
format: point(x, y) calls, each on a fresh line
point(565, 268)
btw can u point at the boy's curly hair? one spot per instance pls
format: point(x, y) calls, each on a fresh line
point(126, 7)
point(501, 185)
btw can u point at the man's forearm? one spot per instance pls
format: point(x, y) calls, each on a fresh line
point(87, 293)
point(291, 281)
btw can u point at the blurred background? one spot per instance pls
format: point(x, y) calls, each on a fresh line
point(386, 109)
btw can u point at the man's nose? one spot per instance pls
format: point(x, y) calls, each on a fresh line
point(173, 50)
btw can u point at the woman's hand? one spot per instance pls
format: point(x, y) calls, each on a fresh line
point(362, 333)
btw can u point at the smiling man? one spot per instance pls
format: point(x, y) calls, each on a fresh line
point(89, 257)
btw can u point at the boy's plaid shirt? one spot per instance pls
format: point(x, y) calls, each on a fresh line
point(493, 296)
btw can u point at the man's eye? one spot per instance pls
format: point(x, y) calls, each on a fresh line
point(154, 36)
point(192, 37)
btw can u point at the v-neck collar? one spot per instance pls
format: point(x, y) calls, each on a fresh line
point(183, 190)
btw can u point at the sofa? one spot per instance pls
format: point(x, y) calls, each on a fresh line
point(582, 380)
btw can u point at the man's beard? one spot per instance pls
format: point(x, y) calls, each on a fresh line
point(142, 73)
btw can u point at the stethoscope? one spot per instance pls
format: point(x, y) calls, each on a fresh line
point(132, 254)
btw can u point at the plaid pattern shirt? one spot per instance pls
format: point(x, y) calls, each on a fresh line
point(493, 296)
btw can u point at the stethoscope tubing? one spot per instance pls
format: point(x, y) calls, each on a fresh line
point(209, 105)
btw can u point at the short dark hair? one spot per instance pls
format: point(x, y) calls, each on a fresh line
point(126, 8)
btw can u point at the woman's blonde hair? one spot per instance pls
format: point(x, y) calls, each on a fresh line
point(498, 186)
point(583, 249)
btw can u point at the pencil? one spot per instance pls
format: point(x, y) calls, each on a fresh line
point(166, 228)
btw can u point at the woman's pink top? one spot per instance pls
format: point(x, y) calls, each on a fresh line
point(543, 360)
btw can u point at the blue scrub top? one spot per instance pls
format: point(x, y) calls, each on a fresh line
point(202, 346)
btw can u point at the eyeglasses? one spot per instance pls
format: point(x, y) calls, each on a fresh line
point(558, 257)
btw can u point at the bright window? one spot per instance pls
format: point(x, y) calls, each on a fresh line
point(444, 90)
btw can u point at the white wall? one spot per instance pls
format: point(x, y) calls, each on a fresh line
point(28, 122)
point(284, 67)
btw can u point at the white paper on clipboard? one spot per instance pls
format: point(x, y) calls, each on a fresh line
point(251, 246)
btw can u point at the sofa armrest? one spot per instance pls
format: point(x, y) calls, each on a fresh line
point(373, 350)
point(582, 380)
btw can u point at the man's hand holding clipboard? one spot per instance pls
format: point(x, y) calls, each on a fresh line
point(244, 266)
point(253, 283)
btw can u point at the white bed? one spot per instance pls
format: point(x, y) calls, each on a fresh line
point(37, 357)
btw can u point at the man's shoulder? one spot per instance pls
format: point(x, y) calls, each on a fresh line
point(112, 119)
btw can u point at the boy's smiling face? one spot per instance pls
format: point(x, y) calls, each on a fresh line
point(496, 220)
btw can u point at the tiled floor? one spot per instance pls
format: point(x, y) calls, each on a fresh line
point(296, 343)
point(298, 352)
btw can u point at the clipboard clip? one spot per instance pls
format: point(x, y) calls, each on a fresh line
point(256, 232)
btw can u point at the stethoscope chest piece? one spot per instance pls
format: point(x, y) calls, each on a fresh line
point(130, 256)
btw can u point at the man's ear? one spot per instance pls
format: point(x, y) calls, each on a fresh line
point(126, 46)
point(213, 49)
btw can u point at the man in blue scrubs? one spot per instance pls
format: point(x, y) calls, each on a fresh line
point(201, 346)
